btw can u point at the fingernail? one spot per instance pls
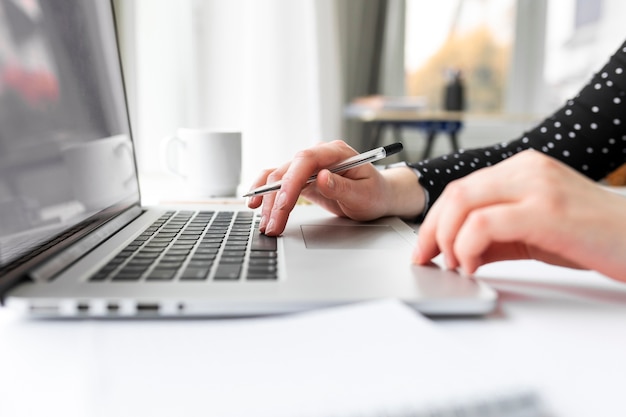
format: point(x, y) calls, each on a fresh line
point(331, 182)
point(270, 227)
point(463, 272)
point(263, 223)
point(417, 254)
point(445, 263)
point(450, 262)
point(280, 200)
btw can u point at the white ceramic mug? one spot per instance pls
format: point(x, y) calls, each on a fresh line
point(102, 171)
point(208, 161)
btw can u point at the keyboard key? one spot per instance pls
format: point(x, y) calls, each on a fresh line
point(231, 260)
point(227, 272)
point(169, 265)
point(203, 257)
point(209, 251)
point(102, 274)
point(144, 254)
point(199, 263)
point(161, 275)
point(160, 242)
point(128, 275)
point(263, 242)
point(234, 253)
point(139, 262)
point(173, 258)
point(187, 244)
point(263, 254)
point(195, 274)
point(178, 252)
point(152, 249)
point(262, 261)
point(263, 275)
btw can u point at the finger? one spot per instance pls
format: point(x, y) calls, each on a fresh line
point(320, 192)
point(439, 229)
point(499, 251)
point(312, 160)
point(358, 196)
point(492, 228)
point(453, 210)
point(255, 201)
point(268, 199)
point(459, 198)
point(427, 248)
point(302, 167)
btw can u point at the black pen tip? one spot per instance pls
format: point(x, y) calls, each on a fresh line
point(393, 148)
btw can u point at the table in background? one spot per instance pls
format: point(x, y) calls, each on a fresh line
point(380, 113)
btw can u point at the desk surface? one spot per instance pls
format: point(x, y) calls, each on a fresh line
point(366, 113)
point(402, 109)
point(561, 328)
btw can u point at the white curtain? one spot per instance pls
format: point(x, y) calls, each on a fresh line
point(268, 68)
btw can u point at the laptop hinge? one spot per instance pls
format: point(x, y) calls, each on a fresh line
point(49, 269)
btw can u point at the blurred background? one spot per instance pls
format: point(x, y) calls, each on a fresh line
point(283, 71)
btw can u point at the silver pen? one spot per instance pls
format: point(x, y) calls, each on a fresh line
point(352, 162)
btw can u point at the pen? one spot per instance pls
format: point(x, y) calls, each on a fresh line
point(353, 162)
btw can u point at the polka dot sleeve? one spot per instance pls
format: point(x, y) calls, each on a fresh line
point(588, 133)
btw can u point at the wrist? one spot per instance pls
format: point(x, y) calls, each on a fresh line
point(406, 197)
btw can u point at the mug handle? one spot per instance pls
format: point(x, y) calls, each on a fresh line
point(126, 148)
point(169, 158)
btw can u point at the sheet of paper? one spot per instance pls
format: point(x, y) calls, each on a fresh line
point(372, 359)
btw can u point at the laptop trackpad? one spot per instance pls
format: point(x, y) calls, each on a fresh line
point(351, 237)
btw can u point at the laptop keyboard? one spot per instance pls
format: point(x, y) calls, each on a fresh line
point(196, 246)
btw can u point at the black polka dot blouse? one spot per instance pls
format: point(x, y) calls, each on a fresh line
point(588, 133)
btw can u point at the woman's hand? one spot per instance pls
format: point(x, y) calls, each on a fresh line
point(362, 193)
point(528, 207)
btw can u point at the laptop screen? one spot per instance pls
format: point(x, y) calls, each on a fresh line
point(65, 147)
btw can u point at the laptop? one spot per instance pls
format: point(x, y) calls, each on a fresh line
point(75, 241)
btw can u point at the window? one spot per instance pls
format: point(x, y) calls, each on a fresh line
point(587, 12)
point(474, 37)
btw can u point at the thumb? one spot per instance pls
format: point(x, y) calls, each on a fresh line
point(358, 199)
point(334, 186)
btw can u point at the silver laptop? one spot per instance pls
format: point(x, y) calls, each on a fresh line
point(75, 242)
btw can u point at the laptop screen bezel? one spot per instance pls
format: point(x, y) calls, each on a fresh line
point(17, 270)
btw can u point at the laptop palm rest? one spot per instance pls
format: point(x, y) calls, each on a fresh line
point(351, 237)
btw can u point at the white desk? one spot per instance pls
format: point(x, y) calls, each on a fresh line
point(564, 330)
point(562, 327)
